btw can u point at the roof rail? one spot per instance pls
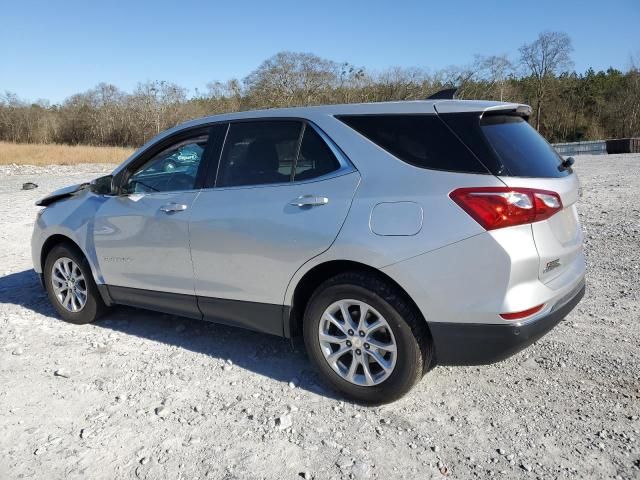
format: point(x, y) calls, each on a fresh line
point(446, 94)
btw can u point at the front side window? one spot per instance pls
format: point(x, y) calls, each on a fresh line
point(173, 169)
point(315, 158)
point(260, 152)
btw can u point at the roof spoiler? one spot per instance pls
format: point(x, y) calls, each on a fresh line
point(523, 111)
point(446, 94)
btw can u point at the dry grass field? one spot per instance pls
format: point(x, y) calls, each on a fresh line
point(51, 154)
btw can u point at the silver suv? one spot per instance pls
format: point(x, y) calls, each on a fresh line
point(391, 236)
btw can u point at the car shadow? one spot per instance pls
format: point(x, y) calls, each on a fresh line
point(278, 358)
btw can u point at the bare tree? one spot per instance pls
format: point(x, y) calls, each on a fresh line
point(593, 105)
point(495, 70)
point(225, 96)
point(290, 78)
point(158, 105)
point(351, 81)
point(399, 83)
point(547, 56)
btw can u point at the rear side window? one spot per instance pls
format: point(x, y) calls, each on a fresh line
point(521, 150)
point(420, 140)
point(261, 152)
point(316, 158)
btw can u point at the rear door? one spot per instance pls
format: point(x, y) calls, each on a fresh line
point(280, 198)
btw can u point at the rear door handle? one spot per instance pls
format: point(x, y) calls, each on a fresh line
point(309, 201)
point(173, 207)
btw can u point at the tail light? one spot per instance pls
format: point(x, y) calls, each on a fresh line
point(499, 207)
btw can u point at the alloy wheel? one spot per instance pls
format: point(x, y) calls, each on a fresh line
point(69, 285)
point(357, 342)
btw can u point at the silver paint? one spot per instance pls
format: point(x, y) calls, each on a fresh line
point(250, 243)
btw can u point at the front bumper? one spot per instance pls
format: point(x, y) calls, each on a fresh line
point(479, 344)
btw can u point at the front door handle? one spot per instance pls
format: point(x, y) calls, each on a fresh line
point(173, 207)
point(309, 201)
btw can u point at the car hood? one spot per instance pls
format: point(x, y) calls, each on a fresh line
point(61, 193)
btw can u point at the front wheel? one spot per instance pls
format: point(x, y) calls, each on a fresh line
point(70, 285)
point(365, 337)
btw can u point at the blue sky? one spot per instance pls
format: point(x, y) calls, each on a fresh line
point(52, 49)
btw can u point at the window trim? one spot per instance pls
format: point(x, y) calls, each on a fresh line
point(213, 155)
point(292, 177)
point(346, 166)
point(216, 155)
point(224, 145)
point(122, 177)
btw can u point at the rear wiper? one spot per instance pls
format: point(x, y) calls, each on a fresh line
point(566, 164)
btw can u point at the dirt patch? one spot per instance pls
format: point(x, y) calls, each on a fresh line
point(146, 395)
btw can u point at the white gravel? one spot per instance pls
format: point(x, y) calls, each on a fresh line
point(133, 396)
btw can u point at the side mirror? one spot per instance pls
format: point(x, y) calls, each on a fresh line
point(102, 185)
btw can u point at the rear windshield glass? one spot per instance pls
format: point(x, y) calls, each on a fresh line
point(421, 140)
point(521, 150)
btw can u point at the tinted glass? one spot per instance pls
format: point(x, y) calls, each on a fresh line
point(173, 169)
point(315, 158)
point(421, 140)
point(259, 153)
point(521, 150)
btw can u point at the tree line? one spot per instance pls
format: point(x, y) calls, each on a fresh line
point(567, 106)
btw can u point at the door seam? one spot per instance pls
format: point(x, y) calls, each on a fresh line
point(193, 269)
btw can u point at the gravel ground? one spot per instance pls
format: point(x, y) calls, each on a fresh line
point(146, 395)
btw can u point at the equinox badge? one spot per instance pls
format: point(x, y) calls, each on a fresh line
point(551, 265)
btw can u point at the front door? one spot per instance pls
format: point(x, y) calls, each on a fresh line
point(142, 236)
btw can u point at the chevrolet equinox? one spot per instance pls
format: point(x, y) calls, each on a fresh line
point(391, 236)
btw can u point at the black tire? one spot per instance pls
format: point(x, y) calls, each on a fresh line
point(414, 347)
point(94, 306)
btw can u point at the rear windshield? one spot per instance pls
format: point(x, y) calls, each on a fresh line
point(420, 140)
point(520, 149)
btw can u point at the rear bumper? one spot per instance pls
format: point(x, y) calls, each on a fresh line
point(479, 344)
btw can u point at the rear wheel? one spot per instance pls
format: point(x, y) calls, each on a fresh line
point(365, 338)
point(70, 285)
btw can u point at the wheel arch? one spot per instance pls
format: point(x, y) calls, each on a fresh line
point(315, 276)
point(53, 241)
point(59, 238)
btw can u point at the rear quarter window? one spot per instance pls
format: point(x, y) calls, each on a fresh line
point(420, 140)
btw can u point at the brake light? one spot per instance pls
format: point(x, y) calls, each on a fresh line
point(499, 207)
point(522, 314)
